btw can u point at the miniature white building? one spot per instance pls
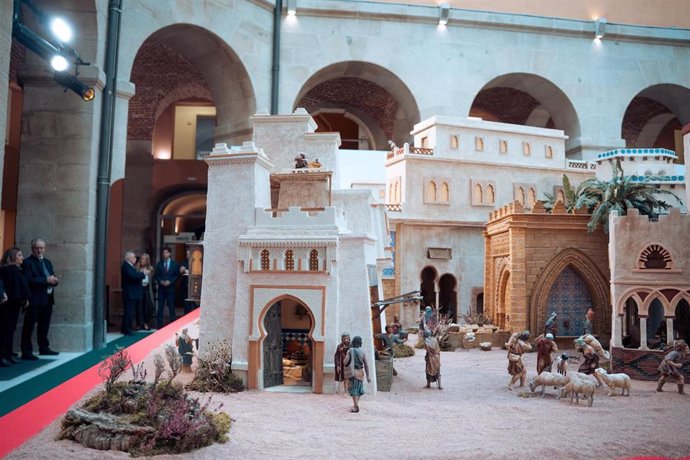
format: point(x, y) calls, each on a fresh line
point(289, 263)
point(442, 189)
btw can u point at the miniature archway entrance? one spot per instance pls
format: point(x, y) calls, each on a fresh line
point(288, 345)
point(448, 296)
point(681, 322)
point(427, 287)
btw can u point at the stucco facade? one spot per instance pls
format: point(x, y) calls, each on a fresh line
point(256, 255)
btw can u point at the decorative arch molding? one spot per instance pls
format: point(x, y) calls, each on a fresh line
point(435, 270)
point(262, 298)
point(676, 300)
point(595, 281)
point(500, 315)
point(632, 293)
point(657, 256)
point(644, 310)
point(190, 90)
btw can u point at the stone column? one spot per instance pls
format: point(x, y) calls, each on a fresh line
point(6, 11)
point(238, 182)
point(669, 330)
point(643, 333)
point(617, 330)
point(57, 195)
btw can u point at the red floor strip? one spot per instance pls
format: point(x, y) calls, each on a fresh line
point(28, 420)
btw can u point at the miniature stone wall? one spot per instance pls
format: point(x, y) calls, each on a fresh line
point(526, 252)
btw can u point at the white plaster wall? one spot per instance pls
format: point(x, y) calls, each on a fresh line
point(467, 263)
point(249, 175)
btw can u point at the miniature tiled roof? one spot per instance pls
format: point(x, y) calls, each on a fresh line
point(644, 152)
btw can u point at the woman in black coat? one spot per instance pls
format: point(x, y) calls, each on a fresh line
point(17, 290)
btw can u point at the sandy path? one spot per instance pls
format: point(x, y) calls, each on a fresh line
point(475, 416)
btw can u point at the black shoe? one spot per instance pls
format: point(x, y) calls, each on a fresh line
point(29, 356)
point(49, 352)
point(12, 360)
point(4, 363)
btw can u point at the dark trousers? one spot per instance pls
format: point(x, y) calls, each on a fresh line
point(9, 315)
point(143, 310)
point(36, 314)
point(166, 295)
point(128, 316)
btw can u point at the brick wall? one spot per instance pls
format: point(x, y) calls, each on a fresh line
point(162, 76)
point(642, 364)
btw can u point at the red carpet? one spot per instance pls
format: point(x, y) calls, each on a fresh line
point(29, 419)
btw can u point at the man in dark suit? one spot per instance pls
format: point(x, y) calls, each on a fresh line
point(132, 290)
point(167, 272)
point(42, 282)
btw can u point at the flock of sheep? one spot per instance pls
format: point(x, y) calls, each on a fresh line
point(577, 383)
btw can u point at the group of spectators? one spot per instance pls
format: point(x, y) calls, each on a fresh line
point(139, 278)
point(26, 285)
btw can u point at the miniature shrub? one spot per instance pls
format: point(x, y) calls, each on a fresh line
point(214, 370)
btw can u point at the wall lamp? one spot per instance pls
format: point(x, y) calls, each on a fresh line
point(443, 13)
point(56, 52)
point(600, 28)
point(291, 7)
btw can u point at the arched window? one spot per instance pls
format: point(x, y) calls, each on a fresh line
point(454, 142)
point(526, 149)
point(479, 144)
point(560, 195)
point(265, 260)
point(549, 152)
point(445, 193)
point(431, 191)
point(289, 260)
point(503, 146)
point(477, 194)
point(314, 260)
point(532, 197)
point(490, 194)
point(655, 257)
point(520, 195)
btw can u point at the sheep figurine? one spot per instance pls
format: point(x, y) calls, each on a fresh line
point(614, 381)
point(577, 386)
point(547, 378)
point(562, 364)
point(579, 376)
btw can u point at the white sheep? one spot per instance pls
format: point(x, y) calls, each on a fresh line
point(547, 378)
point(578, 386)
point(562, 364)
point(614, 381)
point(579, 376)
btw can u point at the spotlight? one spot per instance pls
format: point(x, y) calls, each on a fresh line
point(59, 63)
point(600, 28)
point(61, 30)
point(71, 82)
point(443, 12)
point(291, 7)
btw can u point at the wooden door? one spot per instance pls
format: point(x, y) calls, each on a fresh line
point(273, 348)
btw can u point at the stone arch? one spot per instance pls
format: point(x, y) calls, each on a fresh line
point(632, 293)
point(653, 114)
point(503, 298)
point(595, 281)
point(214, 60)
point(351, 85)
point(428, 281)
point(431, 191)
point(655, 294)
point(678, 297)
point(515, 97)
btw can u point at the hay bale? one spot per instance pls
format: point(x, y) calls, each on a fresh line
point(485, 346)
point(400, 350)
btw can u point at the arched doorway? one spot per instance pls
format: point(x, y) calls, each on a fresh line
point(503, 300)
point(341, 96)
point(181, 218)
point(448, 296)
point(287, 347)
point(570, 299)
point(631, 324)
point(681, 322)
point(656, 325)
point(655, 115)
point(527, 99)
point(427, 287)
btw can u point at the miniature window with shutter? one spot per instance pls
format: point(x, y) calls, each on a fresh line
point(289, 260)
point(549, 151)
point(314, 260)
point(503, 146)
point(265, 260)
point(454, 142)
point(526, 149)
point(490, 194)
point(478, 144)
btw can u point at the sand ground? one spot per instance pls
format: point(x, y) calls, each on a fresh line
point(475, 416)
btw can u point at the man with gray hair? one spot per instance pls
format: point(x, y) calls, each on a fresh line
point(132, 291)
point(42, 281)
